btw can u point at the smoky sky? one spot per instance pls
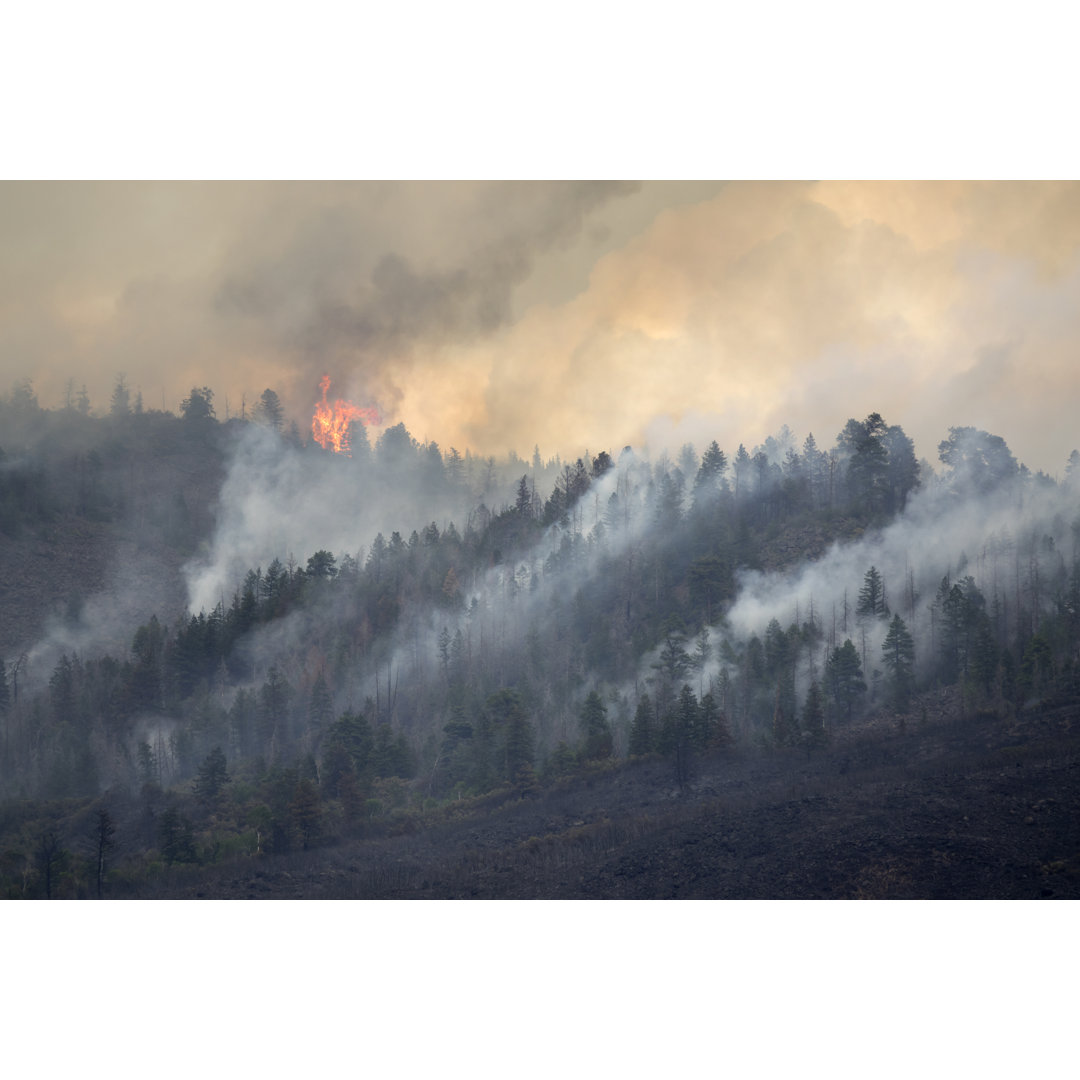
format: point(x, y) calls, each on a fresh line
point(580, 315)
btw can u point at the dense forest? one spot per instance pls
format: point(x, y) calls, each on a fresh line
point(265, 646)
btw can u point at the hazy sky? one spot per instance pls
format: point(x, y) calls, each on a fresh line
point(497, 316)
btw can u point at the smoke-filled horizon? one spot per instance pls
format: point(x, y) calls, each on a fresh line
point(501, 316)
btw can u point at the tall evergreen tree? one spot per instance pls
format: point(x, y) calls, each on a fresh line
point(598, 741)
point(120, 405)
point(175, 838)
point(709, 480)
point(902, 468)
point(523, 502)
point(681, 732)
point(306, 810)
point(212, 777)
point(872, 599)
point(198, 406)
point(844, 676)
point(898, 652)
point(864, 444)
point(269, 411)
point(714, 727)
point(813, 718)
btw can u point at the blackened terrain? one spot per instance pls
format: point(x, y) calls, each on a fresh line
point(951, 808)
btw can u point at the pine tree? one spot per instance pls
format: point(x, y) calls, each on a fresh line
point(844, 677)
point(520, 753)
point(713, 729)
point(679, 732)
point(813, 719)
point(560, 763)
point(984, 652)
point(307, 811)
point(872, 600)
point(175, 837)
point(742, 472)
point(120, 405)
point(710, 476)
point(337, 764)
point(213, 776)
point(198, 407)
point(269, 410)
point(863, 442)
point(595, 729)
point(523, 502)
point(898, 652)
point(674, 660)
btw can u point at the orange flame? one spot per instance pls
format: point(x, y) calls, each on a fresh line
point(330, 424)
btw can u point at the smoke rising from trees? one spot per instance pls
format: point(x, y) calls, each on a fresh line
point(502, 315)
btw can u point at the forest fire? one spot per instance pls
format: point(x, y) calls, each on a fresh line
point(330, 424)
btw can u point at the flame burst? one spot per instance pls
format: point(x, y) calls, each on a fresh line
point(330, 424)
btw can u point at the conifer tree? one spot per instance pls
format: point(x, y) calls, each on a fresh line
point(813, 719)
point(175, 837)
point(844, 675)
point(561, 762)
point(898, 652)
point(520, 753)
point(680, 732)
point(120, 404)
point(595, 728)
point(713, 728)
point(337, 764)
point(269, 411)
point(872, 600)
point(307, 811)
point(212, 777)
point(710, 476)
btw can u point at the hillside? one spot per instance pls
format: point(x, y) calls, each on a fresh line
point(238, 664)
point(952, 809)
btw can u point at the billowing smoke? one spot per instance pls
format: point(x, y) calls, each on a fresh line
point(995, 537)
point(1011, 537)
point(278, 501)
point(343, 301)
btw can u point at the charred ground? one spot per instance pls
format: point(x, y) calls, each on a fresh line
point(945, 807)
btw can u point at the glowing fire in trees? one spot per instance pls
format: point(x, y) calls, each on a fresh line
point(330, 424)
